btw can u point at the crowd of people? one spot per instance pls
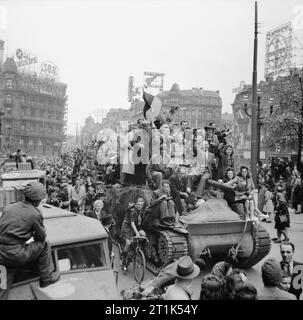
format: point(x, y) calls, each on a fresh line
point(225, 281)
point(175, 162)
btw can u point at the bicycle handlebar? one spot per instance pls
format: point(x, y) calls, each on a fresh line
point(139, 238)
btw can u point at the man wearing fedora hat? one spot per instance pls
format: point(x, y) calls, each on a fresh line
point(19, 223)
point(185, 271)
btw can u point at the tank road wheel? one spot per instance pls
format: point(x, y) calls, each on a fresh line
point(262, 246)
point(165, 248)
point(139, 266)
point(180, 245)
point(171, 246)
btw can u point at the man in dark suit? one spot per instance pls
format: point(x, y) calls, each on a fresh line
point(162, 205)
point(158, 169)
point(203, 170)
point(178, 188)
point(288, 264)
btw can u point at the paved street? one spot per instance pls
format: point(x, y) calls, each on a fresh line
point(254, 274)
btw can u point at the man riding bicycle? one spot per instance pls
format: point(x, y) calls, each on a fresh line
point(130, 225)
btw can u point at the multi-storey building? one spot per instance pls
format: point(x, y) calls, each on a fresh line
point(90, 130)
point(198, 106)
point(242, 113)
point(33, 112)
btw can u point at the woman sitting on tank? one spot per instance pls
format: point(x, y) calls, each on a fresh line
point(243, 185)
point(229, 175)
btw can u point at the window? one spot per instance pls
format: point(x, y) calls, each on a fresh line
point(82, 257)
point(8, 98)
point(8, 111)
point(9, 84)
point(22, 99)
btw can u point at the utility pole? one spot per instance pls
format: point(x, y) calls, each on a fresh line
point(1, 135)
point(77, 134)
point(259, 124)
point(254, 111)
point(300, 125)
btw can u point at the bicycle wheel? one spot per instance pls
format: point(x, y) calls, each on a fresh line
point(139, 265)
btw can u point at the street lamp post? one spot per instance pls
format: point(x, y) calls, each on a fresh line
point(259, 120)
point(1, 114)
point(9, 137)
point(300, 126)
point(254, 111)
point(259, 124)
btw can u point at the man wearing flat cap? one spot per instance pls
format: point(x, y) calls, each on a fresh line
point(19, 223)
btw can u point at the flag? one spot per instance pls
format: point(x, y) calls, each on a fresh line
point(153, 103)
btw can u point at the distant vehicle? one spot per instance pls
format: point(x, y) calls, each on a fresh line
point(21, 177)
point(80, 253)
point(12, 185)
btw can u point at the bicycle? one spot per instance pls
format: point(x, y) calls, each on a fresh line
point(136, 255)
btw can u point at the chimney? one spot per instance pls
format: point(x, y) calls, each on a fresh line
point(1, 52)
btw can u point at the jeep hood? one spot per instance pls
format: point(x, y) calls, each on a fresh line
point(86, 285)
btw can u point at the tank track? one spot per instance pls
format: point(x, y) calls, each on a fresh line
point(262, 246)
point(167, 246)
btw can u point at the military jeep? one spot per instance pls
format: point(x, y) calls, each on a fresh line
point(80, 253)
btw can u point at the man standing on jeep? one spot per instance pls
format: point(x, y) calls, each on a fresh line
point(19, 223)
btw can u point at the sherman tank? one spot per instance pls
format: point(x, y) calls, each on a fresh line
point(213, 229)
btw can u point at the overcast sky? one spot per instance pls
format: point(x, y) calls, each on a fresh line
point(97, 45)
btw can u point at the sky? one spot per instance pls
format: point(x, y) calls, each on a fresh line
point(97, 45)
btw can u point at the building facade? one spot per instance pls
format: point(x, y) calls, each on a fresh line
point(242, 130)
point(199, 107)
point(33, 112)
point(115, 115)
point(89, 131)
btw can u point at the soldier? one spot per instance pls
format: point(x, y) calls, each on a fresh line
point(19, 223)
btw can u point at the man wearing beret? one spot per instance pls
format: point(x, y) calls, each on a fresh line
point(19, 223)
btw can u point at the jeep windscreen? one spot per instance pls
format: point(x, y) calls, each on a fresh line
point(83, 256)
